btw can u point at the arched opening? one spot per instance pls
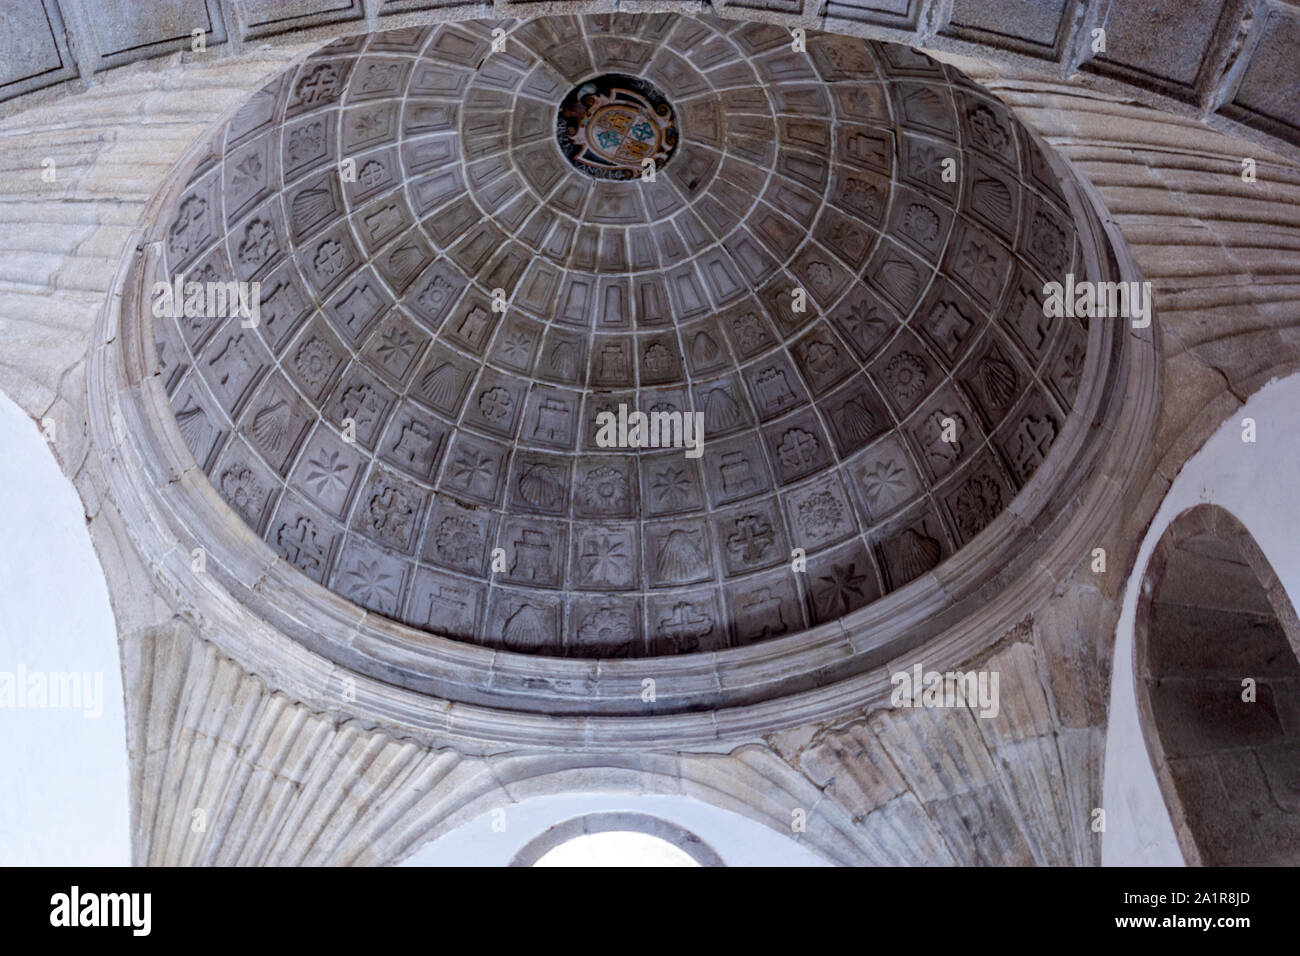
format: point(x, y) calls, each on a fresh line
point(615, 848)
point(568, 804)
point(1219, 692)
point(617, 839)
point(64, 791)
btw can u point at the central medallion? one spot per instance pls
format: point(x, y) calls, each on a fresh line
point(610, 126)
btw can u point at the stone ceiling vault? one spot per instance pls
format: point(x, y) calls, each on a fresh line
point(474, 422)
point(1227, 325)
point(314, 642)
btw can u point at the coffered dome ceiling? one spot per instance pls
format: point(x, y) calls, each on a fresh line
point(466, 171)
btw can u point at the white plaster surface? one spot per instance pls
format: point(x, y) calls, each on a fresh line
point(738, 840)
point(1257, 483)
point(63, 771)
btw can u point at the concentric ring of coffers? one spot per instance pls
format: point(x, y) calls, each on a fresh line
point(447, 304)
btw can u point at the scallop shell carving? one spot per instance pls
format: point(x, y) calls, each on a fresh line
point(999, 381)
point(440, 386)
point(925, 105)
point(404, 259)
point(540, 485)
point(993, 197)
point(902, 278)
point(679, 558)
point(917, 554)
point(311, 205)
point(563, 358)
point(271, 426)
point(194, 426)
point(254, 114)
point(856, 420)
point(721, 409)
point(526, 630)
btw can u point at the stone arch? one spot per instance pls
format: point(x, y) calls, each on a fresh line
point(751, 782)
point(1211, 615)
point(618, 822)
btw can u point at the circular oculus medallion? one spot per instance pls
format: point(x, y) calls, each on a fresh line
point(609, 126)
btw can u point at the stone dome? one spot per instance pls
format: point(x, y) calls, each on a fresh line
point(464, 258)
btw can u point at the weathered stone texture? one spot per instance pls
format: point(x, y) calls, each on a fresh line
point(283, 784)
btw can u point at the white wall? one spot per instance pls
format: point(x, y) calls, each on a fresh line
point(738, 840)
point(1258, 484)
point(63, 772)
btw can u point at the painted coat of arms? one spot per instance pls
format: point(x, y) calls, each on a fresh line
point(609, 126)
